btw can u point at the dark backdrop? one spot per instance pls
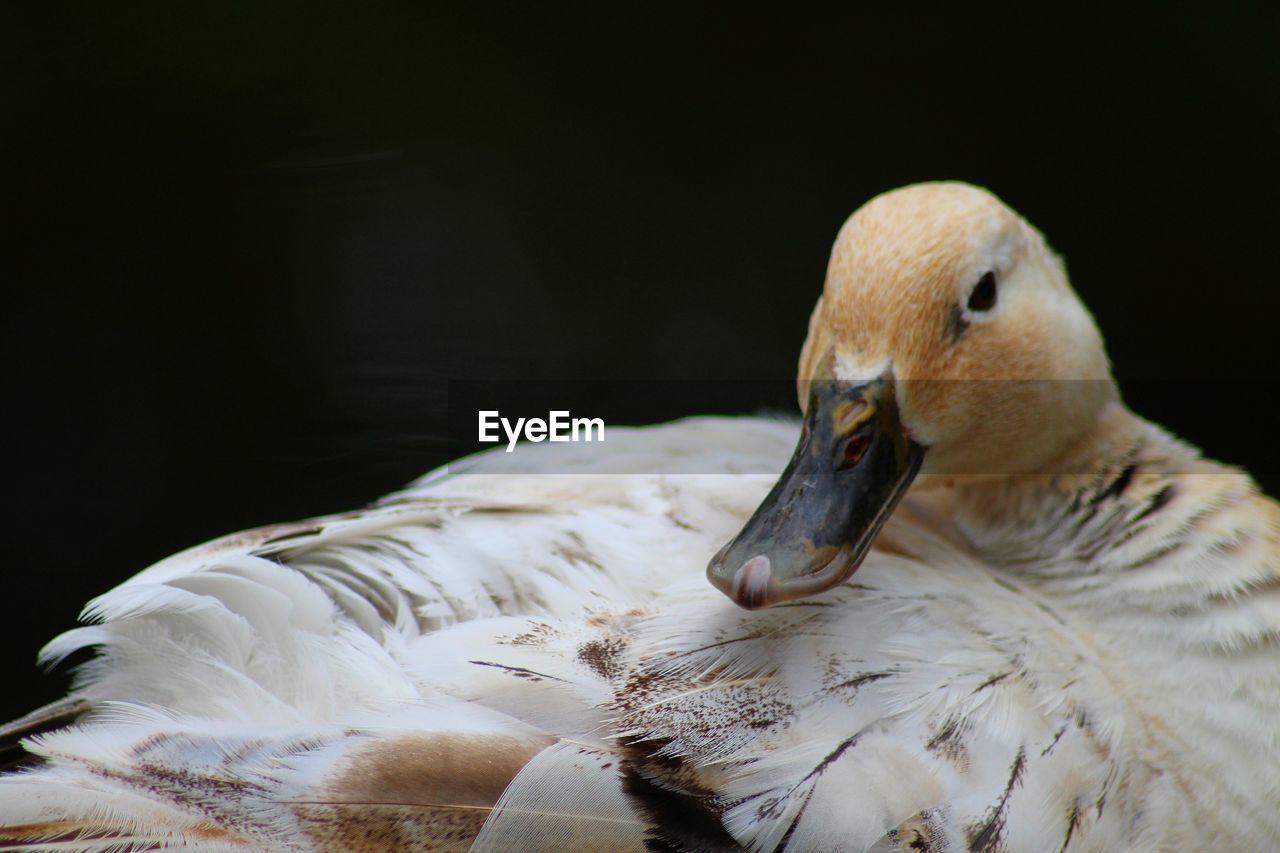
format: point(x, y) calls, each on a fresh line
point(245, 248)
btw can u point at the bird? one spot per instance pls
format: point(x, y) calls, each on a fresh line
point(966, 601)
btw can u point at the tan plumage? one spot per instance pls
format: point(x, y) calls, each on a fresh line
point(1064, 638)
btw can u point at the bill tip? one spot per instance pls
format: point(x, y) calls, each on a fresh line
point(751, 582)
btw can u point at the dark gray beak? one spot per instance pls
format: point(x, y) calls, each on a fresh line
point(852, 465)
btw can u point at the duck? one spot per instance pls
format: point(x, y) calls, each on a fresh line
point(968, 601)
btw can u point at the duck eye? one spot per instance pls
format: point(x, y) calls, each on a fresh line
point(983, 297)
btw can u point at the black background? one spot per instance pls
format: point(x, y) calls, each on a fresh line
point(245, 247)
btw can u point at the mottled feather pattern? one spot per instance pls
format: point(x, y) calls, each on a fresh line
point(460, 664)
point(482, 597)
point(1064, 638)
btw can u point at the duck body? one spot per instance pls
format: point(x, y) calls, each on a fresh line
point(1075, 652)
point(383, 677)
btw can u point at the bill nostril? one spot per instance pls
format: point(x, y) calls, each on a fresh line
point(853, 451)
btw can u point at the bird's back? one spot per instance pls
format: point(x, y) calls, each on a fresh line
point(534, 661)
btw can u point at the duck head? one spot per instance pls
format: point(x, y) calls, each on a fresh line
point(947, 342)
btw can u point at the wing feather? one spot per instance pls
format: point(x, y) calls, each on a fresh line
point(569, 797)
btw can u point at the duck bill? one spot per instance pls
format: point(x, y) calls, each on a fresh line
point(852, 466)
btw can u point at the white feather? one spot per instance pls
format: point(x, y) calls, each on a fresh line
point(547, 630)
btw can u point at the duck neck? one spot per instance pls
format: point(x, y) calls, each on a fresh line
point(1130, 520)
point(1163, 571)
